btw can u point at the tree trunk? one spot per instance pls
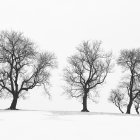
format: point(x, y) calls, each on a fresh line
point(85, 103)
point(14, 103)
point(121, 110)
point(137, 110)
point(129, 107)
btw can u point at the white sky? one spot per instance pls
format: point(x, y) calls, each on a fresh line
point(60, 25)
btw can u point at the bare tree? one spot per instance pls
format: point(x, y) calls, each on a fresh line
point(130, 61)
point(87, 69)
point(22, 67)
point(117, 97)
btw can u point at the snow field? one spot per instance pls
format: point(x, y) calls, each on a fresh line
point(51, 125)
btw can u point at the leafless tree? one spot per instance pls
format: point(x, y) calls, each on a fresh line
point(87, 69)
point(130, 61)
point(117, 97)
point(21, 67)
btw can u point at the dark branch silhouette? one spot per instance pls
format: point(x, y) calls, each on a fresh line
point(22, 67)
point(117, 97)
point(87, 69)
point(130, 61)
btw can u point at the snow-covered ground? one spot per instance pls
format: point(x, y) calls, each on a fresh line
point(62, 125)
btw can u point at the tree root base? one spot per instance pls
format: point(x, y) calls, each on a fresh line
point(84, 110)
point(12, 109)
